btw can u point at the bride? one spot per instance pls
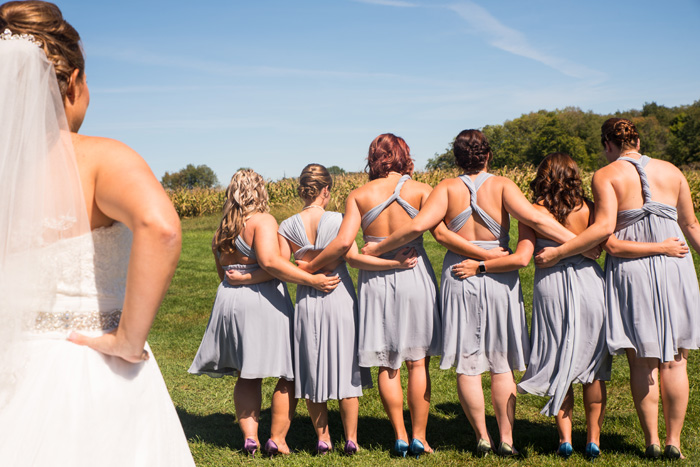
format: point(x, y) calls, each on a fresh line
point(84, 266)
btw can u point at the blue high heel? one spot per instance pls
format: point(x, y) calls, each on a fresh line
point(565, 450)
point(416, 448)
point(400, 448)
point(592, 451)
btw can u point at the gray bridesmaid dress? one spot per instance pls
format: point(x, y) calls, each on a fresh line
point(325, 324)
point(568, 329)
point(399, 310)
point(249, 333)
point(483, 318)
point(653, 302)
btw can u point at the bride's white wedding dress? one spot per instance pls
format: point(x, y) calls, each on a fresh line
point(73, 406)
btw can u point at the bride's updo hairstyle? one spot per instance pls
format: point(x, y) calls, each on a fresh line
point(60, 40)
point(472, 151)
point(312, 180)
point(557, 185)
point(621, 132)
point(245, 195)
point(388, 153)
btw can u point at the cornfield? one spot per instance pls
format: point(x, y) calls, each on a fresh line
point(284, 198)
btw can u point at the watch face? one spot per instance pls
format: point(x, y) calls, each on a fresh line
point(482, 268)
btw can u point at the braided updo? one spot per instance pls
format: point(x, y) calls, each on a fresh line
point(621, 132)
point(312, 180)
point(472, 151)
point(60, 41)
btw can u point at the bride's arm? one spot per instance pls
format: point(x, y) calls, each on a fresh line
point(127, 191)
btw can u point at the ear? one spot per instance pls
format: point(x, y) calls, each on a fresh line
point(326, 192)
point(74, 86)
point(638, 144)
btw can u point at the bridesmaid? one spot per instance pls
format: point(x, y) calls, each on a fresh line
point(325, 327)
point(653, 301)
point(399, 313)
point(484, 326)
point(249, 332)
point(568, 312)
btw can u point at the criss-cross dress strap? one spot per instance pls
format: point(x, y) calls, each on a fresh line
point(373, 213)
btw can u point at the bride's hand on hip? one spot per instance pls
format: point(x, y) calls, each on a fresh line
point(110, 344)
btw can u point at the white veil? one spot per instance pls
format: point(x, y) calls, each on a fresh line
point(40, 192)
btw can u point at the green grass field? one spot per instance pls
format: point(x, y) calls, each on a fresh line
point(205, 405)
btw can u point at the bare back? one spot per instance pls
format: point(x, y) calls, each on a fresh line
point(394, 216)
point(489, 198)
point(664, 181)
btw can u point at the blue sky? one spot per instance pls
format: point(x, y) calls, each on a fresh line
point(274, 85)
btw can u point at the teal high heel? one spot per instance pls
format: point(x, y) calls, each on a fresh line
point(416, 448)
point(592, 451)
point(400, 448)
point(565, 450)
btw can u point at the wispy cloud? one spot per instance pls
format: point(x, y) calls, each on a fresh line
point(503, 37)
point(397, 3)
point(510, 40)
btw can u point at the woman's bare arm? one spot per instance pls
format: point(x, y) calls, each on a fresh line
point(123, 181)
point(513, 262)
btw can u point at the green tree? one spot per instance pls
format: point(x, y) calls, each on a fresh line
point(335, 170)
point(190, 177)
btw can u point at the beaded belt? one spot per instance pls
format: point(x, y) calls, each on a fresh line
point(44, 321)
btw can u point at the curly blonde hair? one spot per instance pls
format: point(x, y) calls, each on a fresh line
point(245, 195)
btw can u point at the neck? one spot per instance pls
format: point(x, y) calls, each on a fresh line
point(309, 206)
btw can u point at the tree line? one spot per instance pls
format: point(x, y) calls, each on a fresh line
point(668, 133)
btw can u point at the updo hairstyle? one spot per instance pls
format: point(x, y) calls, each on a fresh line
point(621, 132)
point(313, 179)
point(557, 185)
point(60, 41)
point(245, 195)
point(388, 153)
point(472, 151)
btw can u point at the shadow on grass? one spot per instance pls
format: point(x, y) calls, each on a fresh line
point(448, 429)
point(221, 430)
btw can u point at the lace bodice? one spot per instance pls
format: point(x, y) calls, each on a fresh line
point(92, 270)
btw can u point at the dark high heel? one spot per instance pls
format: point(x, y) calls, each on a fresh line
point(483, 448)
point(506, 450)
point(653, 451)
point(416, 448)
point(672, 453)
point(322, 448)
point(250, 446)
point(400, 448)
point(271, 448)
point(592, 451)
point(350, 448)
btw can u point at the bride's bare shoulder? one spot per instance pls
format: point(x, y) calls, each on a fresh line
point(106, 154)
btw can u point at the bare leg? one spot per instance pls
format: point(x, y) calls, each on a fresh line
point(418, 393)
point(564, 417)
point(503, 400)
point(391, 392)
point(674, 396)
point(319, 417)
point(349, 410)
point(283, 407)
point(645, 393)
point(471, 396)
point(595, 397)
point(247, 398)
